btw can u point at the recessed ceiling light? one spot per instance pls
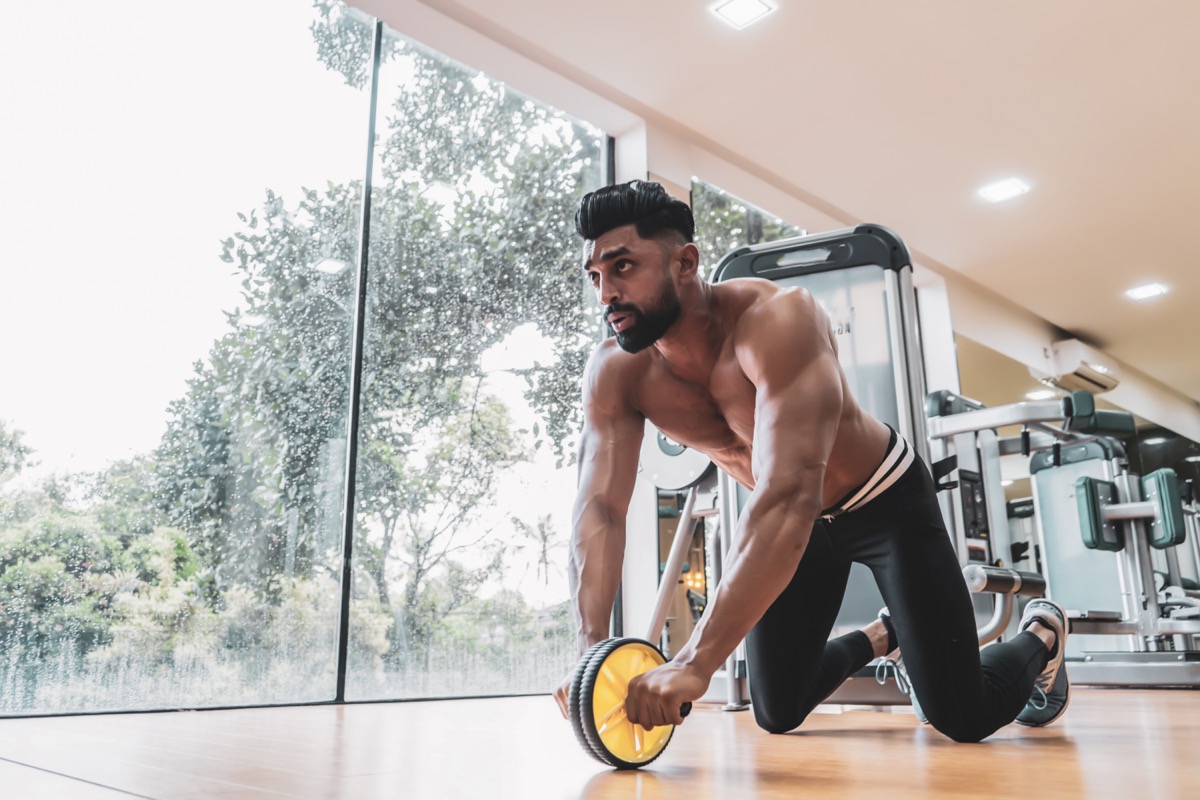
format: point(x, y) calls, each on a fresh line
point(1003, 190)
point(1192, 458)
point(1146, 292)
point(741, 13)
point(1040, 394)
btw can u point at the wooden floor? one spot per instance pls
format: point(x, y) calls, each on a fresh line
point(1143, 745)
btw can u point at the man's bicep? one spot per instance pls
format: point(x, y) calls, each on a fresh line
point(610, 443)
point(796, 421)
point(608, 458)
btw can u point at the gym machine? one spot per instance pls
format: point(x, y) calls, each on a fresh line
point(1099, 528)
point(862, 277)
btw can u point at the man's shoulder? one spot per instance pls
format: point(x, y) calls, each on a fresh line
point(611, 372)
point(609, 356)
point(775, 308)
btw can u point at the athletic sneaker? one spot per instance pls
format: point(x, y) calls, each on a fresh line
point(896, 667)
point(1052, 690)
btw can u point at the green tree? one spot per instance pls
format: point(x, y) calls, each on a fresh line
point(14, 453)
point(251, 462)
point(71, 546)
point(544, 537)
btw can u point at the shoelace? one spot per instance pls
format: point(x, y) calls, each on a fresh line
point(1034, 699)
point(897, 669)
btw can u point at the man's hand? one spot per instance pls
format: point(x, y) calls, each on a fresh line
point(655, 697)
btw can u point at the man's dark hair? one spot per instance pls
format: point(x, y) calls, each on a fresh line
point(642, 203)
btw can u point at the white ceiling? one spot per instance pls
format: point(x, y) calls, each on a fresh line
point(897, 112)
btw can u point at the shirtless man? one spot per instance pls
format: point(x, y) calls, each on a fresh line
point(747, 372)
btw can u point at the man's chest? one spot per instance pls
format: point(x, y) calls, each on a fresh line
point(711, 416)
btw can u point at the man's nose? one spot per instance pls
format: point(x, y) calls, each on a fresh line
point(607, 292)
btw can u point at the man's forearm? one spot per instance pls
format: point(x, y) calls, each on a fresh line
point(772, 537)
point(597, 554)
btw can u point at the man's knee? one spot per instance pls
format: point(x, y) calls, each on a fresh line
point(775, 722)
point(962, 731)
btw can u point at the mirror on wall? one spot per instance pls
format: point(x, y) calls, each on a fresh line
point(994, 379)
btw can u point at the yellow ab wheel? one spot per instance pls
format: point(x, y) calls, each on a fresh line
point(596, 703)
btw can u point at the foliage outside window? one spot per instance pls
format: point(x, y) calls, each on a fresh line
point(725, 223)
point(204, 568)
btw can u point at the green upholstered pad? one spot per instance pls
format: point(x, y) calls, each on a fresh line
point(1091, 495)
point(1083, 404)
point(1118, 424)
point(1083, 417)
point(1166, 529)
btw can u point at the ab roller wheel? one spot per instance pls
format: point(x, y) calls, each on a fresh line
point(596, 704)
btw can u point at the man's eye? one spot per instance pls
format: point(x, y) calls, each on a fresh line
point(624, 266)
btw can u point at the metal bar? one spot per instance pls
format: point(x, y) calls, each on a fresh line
point(895, 323)
point(1138, 510)
point(1011, 446)
point(356, 369)
point(1003, 580)
point(1102, 627)
point(1146, 610)
point(1170, 627)
point(1095, 670)
point(727, 504)
point(993, 495)
point(914, 362)
point(998, 417)
point(670, 575)
point(1001, 617)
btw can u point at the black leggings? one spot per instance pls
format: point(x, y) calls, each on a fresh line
point(966, 694)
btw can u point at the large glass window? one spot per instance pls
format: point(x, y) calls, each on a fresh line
point(181, 215)
point(477, 336)
point(178, 180)
point(725, 222)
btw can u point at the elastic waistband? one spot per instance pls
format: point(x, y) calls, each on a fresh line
point(896, 461)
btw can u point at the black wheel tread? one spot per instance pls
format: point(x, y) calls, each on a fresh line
point(573, 705)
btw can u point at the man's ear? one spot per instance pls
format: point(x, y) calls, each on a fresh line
point(689, 259)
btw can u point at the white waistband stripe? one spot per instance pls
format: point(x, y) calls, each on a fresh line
point(895, 464)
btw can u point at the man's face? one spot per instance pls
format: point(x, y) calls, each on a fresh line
point(633, 282)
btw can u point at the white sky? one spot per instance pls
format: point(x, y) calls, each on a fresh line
point(133, 135)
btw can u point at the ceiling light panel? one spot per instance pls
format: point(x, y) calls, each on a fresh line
point(1003, 190)
point(742, 13)
point(1146, 292)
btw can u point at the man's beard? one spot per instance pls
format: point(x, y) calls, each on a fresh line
point(649, 325)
